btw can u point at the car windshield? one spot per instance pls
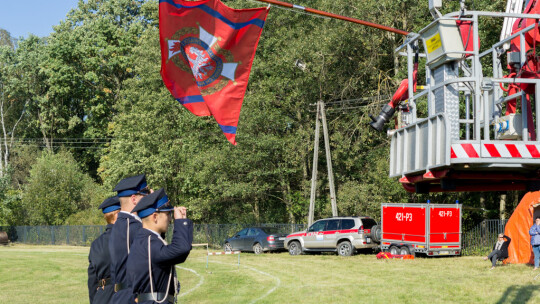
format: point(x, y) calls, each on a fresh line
point(270, 230)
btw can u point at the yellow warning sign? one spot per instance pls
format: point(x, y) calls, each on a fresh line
point(433, 43)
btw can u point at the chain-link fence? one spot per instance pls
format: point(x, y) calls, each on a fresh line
point(477, 240)
point(213, 234)
point(53, 235)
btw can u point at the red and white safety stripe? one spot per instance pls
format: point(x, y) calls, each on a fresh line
point(224, 252)
point(499, 150)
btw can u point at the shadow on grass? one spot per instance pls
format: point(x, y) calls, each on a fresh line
point(517, 294)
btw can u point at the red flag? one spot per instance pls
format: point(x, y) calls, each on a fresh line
point(207, 50)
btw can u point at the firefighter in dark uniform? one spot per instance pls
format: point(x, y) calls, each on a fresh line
point(100, 287)
point(151, 262)
point(130, 191)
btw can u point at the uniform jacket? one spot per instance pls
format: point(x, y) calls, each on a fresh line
point(504, 247)
point(99, 269)
point(535, 235)
point(119, 244)
point(163, 258)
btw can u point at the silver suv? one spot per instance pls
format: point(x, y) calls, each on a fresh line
point(338, 234)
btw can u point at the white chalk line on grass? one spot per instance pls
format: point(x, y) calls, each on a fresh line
point(201, 281)
point(278, 281)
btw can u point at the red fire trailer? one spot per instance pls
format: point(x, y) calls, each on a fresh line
point(431, 229)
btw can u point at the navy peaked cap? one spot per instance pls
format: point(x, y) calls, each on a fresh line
point(156, 201)
point(110, 204)
point(131, 185)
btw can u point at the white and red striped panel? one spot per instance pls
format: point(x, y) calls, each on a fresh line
point(498, 150)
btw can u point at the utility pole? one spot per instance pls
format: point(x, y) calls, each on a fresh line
point(314, 169)
point(329, 161)
point(321, 116)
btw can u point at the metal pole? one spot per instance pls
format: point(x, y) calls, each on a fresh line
point(477, 71)
point(411, 116)
point(329, 162)
point(467, 115)
point(335, 16)
point(314, 169)
point(486, 115)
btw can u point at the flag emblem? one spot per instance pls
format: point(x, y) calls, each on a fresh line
point(197, 51)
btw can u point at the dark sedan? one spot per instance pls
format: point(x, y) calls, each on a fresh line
point(256, 239)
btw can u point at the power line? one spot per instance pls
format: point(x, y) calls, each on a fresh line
point(349, 104)
point(68, 142)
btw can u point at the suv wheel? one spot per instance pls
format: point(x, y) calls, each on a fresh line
point(295, 248)
point(257, 248)
point(227, 247)
point(345, 248)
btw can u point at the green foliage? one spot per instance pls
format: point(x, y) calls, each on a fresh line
point(363, 196)
point(11, 185)
point(22, 159)
point(9, 201)
point(6, 39)
point(89, 58)
point(56, 189)
point(91, 216)
point(23, 86)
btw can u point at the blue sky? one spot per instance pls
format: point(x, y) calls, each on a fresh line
point(21, 18)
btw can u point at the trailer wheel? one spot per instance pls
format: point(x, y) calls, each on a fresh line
point(345, 248)
point(376, 234)
point(404, 250)
point(394, 250)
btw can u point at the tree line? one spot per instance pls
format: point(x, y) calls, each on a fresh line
point(85, 107)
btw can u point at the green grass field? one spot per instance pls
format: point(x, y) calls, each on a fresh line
point(57, 274)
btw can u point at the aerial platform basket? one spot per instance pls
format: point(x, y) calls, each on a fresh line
point(466, 142)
